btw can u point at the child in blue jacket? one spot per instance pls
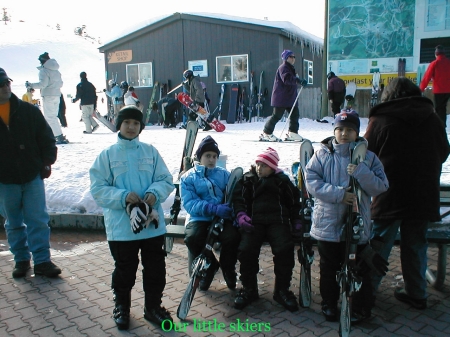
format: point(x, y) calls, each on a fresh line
point(130, 181)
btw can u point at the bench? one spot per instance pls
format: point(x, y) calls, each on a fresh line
point(439, 234)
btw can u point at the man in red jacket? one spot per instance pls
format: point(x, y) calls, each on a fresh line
point(439, 72)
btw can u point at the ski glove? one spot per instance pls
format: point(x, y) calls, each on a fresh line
point(371, 260)
point(223, 211)
point(244, 222)
point(141, 214)
point(297, 229)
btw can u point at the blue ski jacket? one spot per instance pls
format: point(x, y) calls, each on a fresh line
point(201, 186)
point(327, 180)
point(129, 166)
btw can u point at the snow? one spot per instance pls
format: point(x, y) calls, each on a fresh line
point(67, 190)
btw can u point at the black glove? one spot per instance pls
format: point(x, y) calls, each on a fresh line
point(104, 90)
point(371, 260)
point(116, 99)
point(73, 100)
point(46, 171)
point(138, 213)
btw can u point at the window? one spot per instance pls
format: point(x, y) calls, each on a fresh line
point(427, 47)
point(232, 68)
point(437, 15)
point(308, 71)
point(140, 75)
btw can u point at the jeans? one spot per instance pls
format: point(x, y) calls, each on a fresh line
point(126, 261)
point(23, 206)
point(277, 115)
point(413, 252)
point(51, 108)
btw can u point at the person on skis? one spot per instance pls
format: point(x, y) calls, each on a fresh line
point(267, 208)
point(327, 178)
point(284, 94)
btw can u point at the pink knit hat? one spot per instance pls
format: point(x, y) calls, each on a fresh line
point(269, 157)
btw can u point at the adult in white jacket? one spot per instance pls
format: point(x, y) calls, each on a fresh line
point(50, 83)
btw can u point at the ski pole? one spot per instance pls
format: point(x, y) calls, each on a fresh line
point(292, 109)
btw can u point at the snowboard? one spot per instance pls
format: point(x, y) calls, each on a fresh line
point(187, 101)
point(104, 121)
point(148, 115)
point(305, 253)
point(232, 109)
point(201, 263)
point(350, 95)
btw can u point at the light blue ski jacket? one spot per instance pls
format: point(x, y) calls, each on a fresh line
point(327, 179)
point(201, 186)
point(129, 166)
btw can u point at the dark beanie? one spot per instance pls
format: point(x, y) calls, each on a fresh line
point(83, 74)
point(207, 144)
point(439, 50)
point(44, 57)
point(349, 119)
point(129, 112)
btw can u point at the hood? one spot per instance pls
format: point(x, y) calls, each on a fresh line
point(410, 110)
point(51, 64)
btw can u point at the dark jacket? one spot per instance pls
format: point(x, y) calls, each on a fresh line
point(336, 89)
point(271, 200)
point(27, 145)
point(85, 92)
point(410, 140)
point(284, 90)
point(172, 104)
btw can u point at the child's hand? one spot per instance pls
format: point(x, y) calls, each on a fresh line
point(351, 168)
point(132, 198)
point(349, 198)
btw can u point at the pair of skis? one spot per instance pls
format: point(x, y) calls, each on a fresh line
point(375, 89)
point(401, 67)
point(187, 101)
point(191, 135)
point(305, 253)
point(203, 262)
point(348, 279)
point(259, 105)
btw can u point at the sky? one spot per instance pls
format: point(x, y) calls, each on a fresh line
point(105, 19)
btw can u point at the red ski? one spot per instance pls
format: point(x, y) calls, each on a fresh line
point(202, 113)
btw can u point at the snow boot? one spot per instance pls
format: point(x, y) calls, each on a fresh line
point(268, 138)
point(61, 139)
point(245, 296)
point(121, 312)
point(286, 298)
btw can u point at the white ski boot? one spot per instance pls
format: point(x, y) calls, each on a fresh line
point(294, 137)
point(268, 138)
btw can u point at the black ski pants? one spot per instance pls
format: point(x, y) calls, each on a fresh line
point(331, 258)
point(277, 114)
point(280, 240)
point(195, 239)
point(126, 261)
point(440, 102)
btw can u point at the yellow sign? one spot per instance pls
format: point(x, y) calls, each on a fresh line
point(120, 56)
point(365, 81)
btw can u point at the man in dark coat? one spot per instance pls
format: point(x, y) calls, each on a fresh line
point(284, 95)
point(411, 142)
point(336, 92)
point(86, 93)
point(27, 151)
point(168, 107)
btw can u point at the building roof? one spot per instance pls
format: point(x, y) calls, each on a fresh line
point(295, 34)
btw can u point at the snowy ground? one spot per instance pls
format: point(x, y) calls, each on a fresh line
point(67, 189)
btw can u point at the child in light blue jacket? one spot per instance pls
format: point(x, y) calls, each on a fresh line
point(328, 180)
point(130, 181)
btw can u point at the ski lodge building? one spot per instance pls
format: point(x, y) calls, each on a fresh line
point(221, 49)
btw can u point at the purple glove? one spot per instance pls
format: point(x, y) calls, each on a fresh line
point(244, 222)
point(224, 211)
point(297, 230)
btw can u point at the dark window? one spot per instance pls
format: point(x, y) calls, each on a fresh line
point(427, 47)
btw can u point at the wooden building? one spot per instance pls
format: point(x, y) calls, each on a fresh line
point(221, 49)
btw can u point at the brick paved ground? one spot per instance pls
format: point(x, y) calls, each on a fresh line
point(79, 303)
